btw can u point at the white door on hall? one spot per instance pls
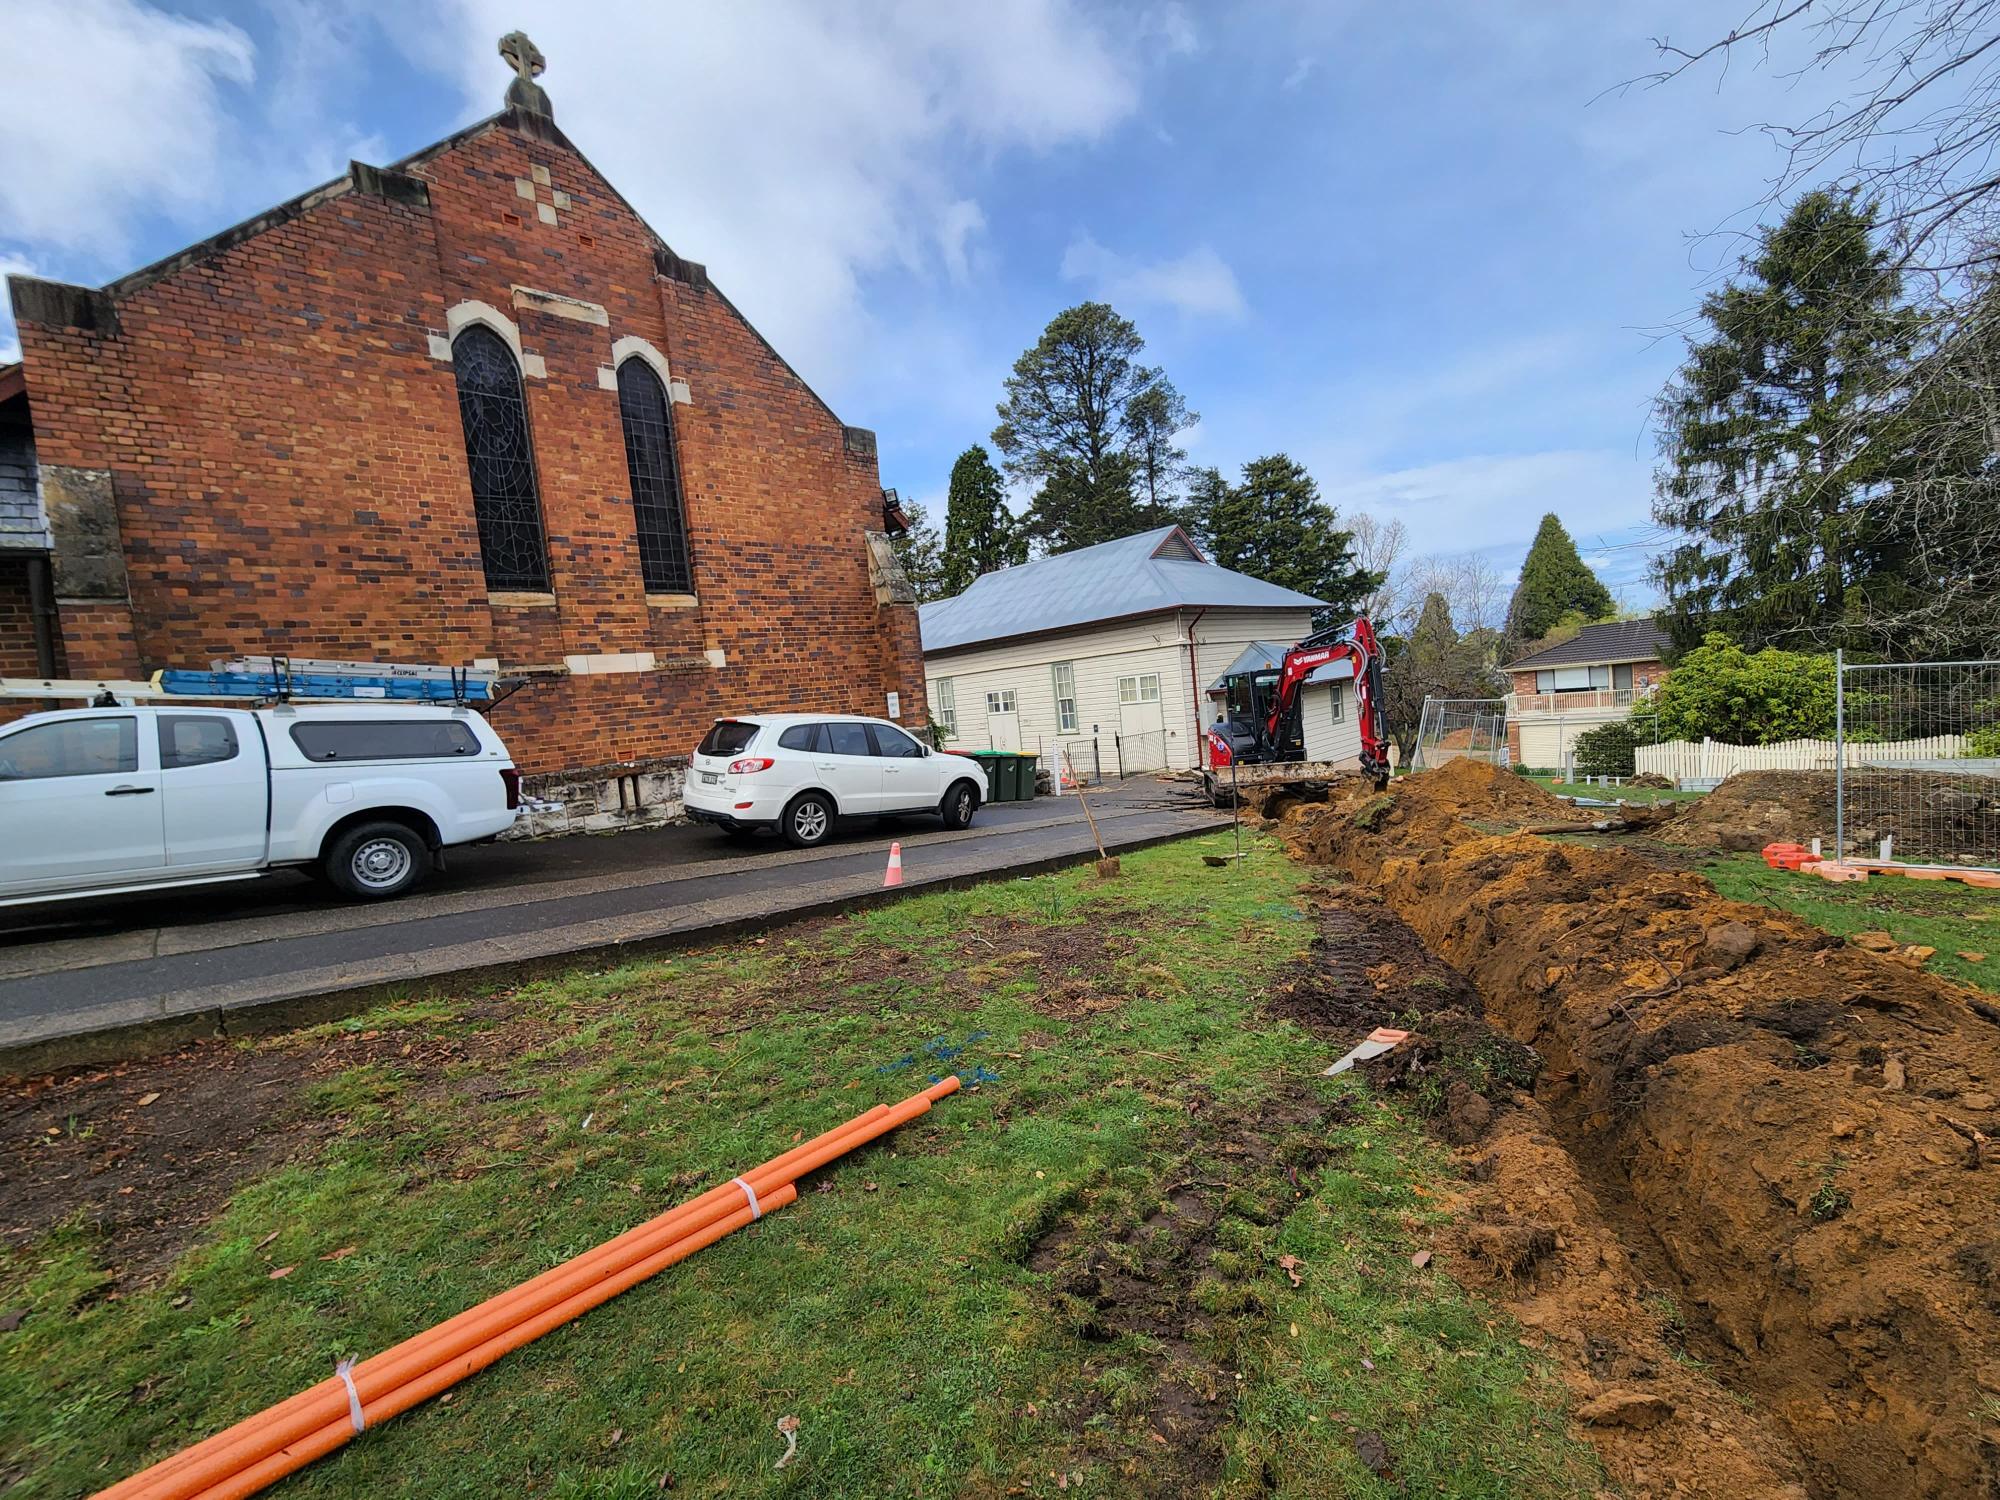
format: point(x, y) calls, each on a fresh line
point(1142, 725)
point(1003, 719)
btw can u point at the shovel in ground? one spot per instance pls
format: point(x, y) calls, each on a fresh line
point(1107, 867)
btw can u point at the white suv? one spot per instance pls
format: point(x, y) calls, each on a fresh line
point(798, 772)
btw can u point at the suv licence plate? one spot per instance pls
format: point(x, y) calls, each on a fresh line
point(710, 778)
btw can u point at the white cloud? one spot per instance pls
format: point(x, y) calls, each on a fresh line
point(1198, 283)
point(1301, 71)
point(114, 110)
point(1176, 28)
point(797, 148)
point(960, 221)
point(1486, 501)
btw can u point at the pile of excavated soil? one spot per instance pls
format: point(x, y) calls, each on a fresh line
point(1526, 1231)
point(1932, 815)
point(1791, 1136)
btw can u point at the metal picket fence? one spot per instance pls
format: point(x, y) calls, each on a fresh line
point(1917, 772)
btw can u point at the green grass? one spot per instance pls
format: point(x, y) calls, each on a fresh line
point(896, 1314)
point(1943, 914)
point(1647, 794)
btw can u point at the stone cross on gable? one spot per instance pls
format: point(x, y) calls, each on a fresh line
point(526, 59)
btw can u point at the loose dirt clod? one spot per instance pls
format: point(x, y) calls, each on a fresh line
point(1697, 1054)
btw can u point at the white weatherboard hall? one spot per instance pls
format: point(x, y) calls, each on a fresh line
point(1108, 652)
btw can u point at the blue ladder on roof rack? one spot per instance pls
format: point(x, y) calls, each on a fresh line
point(284, 677)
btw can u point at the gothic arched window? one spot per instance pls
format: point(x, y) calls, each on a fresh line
point(501, 459)
point(664, 563)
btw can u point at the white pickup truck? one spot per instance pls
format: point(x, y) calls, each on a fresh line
point(103, 801)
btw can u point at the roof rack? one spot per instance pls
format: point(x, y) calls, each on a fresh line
point(281, 679)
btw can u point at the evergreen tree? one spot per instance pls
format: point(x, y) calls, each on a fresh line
point(1555, 583)
point(1091, 428)
point(921, 553)
point(1274, 526)
point(1153, 419)
point(1779, 434)
point(1080, 507)
point(1201, 512)
point(980, 533)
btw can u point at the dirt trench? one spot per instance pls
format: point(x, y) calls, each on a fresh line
point(1770, 1144)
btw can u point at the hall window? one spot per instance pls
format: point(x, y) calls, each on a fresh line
point(501, 459)
point(664, 564)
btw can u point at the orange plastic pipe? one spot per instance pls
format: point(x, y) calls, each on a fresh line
point(638, 1240)
point(249, 1481)
point(266, 1433)
point(267, 1430)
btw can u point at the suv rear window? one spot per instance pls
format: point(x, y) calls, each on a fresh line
point(800, 736)
point(726, 737)
point(384, 739)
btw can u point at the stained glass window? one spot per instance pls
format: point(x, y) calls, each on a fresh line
point(664, 563)
point(501, 459)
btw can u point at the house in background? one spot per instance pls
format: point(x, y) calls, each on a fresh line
point(1560, 691)
point(1107, 652)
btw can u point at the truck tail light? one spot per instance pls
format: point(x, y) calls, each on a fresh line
point(511, 780)
point(750, 765)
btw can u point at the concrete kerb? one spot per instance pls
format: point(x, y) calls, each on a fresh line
point(282, 1012)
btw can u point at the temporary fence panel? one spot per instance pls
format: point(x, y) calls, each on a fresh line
point(1918, 772)
point(1684, 760)
point(1451, 728)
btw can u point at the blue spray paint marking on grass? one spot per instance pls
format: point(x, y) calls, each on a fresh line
point(942, 1049)
point(980, 1074)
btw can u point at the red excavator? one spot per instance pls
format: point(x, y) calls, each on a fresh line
point(1262, 724)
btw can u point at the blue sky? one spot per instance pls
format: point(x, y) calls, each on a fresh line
point(1433, 252)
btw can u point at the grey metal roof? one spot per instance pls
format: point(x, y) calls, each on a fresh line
point(1613, 640)
point(1258, 656)
point(1134, 575)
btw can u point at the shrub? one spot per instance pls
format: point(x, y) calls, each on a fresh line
point(1984, 744)
point(1720, 691)
point(1607, 749)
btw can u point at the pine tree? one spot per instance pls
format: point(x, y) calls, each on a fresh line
point(1153, 419)
point(1092, 429)
point(1079, 507)
point(1780, 433)
point(1556, 584)
point(980, 533)
point(921, 553)
point(1274, 526)
point(1201, 511)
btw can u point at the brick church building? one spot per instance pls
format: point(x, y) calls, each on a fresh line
point(467, 409)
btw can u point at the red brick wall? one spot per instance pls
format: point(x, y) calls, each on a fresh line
point(290, 468)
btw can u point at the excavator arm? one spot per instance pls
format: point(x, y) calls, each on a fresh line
point(1356, 643)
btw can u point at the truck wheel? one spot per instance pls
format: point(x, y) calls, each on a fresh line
point(807, 822)
point(374, 861)
point(959, 804)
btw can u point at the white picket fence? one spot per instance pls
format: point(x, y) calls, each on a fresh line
point(1680, 759)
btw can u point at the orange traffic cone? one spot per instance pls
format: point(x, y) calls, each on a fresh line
point(894, 875)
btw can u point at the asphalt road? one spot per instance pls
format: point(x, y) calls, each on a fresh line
point(200, 956)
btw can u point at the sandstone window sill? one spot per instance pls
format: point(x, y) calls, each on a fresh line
point(521, 601)
point(672, 601)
